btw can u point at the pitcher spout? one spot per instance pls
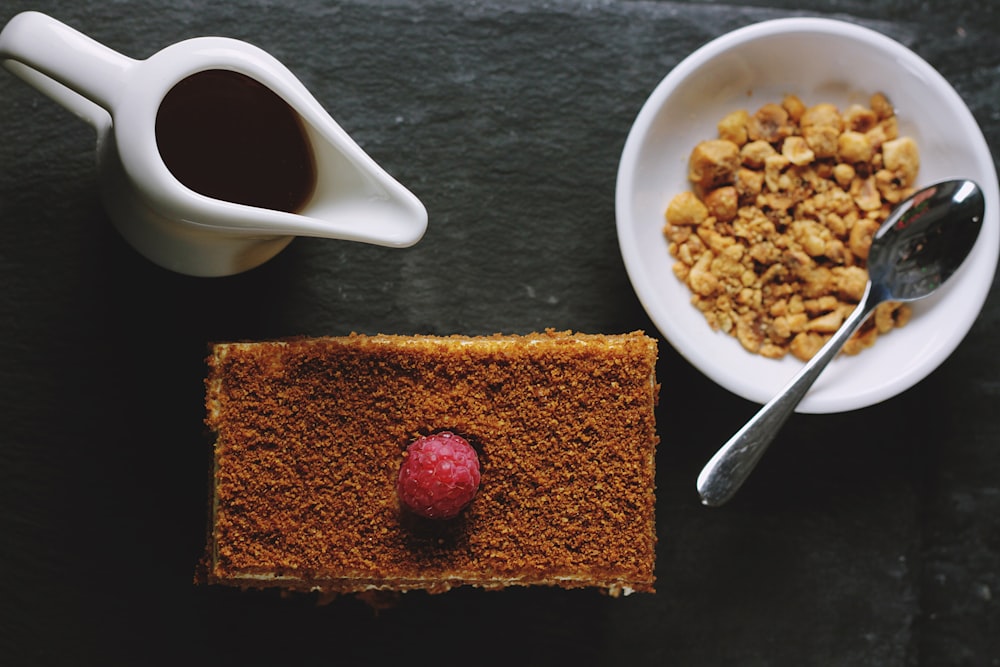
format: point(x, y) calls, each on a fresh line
point(355, 199)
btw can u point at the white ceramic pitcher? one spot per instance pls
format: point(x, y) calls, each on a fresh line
point(176, 227)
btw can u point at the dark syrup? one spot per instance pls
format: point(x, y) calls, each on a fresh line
point(227, 136)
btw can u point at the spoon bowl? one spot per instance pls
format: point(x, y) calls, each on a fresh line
point(925, 240)
point(923, 243)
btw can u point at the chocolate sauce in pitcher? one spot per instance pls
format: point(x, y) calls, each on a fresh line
point(229, 137)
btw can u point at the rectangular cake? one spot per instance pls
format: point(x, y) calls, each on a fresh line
point(310, 435)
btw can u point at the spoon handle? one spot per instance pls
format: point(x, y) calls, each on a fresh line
point(723, 475)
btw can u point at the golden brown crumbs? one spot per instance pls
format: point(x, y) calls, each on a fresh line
point(773, 237)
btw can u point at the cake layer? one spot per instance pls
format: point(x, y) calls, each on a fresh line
point(310, 435)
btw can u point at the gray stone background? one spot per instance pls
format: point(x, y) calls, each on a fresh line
point(866, 538)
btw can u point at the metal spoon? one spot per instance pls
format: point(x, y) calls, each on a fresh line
point(920, 245)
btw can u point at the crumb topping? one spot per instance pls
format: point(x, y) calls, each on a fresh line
point(310, 433)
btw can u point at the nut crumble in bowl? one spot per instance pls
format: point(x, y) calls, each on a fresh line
point(773, 237)
point(820, 61)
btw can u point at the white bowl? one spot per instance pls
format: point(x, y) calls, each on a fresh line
point(820, 60)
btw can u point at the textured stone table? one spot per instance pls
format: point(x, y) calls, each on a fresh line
point(867, 538)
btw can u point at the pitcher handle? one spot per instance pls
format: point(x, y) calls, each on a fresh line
point(72, 69)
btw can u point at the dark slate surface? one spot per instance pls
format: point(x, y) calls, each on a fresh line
point(868, 538)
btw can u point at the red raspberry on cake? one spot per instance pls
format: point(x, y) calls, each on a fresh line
point(439, 476)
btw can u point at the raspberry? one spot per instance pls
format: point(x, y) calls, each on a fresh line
point(439, 476)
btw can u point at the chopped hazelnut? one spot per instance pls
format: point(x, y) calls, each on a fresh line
point(770, 124)
point(881, 105)
point(859, 119)
point(901, 157)
point(733, 127)
point(686, 209)
point(722, 203)
point(797, 151)
point(714, 163)
point(854, 147)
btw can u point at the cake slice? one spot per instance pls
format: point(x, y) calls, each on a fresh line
point(311, 433)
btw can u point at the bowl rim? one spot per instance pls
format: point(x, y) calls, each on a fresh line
point(989, 240)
